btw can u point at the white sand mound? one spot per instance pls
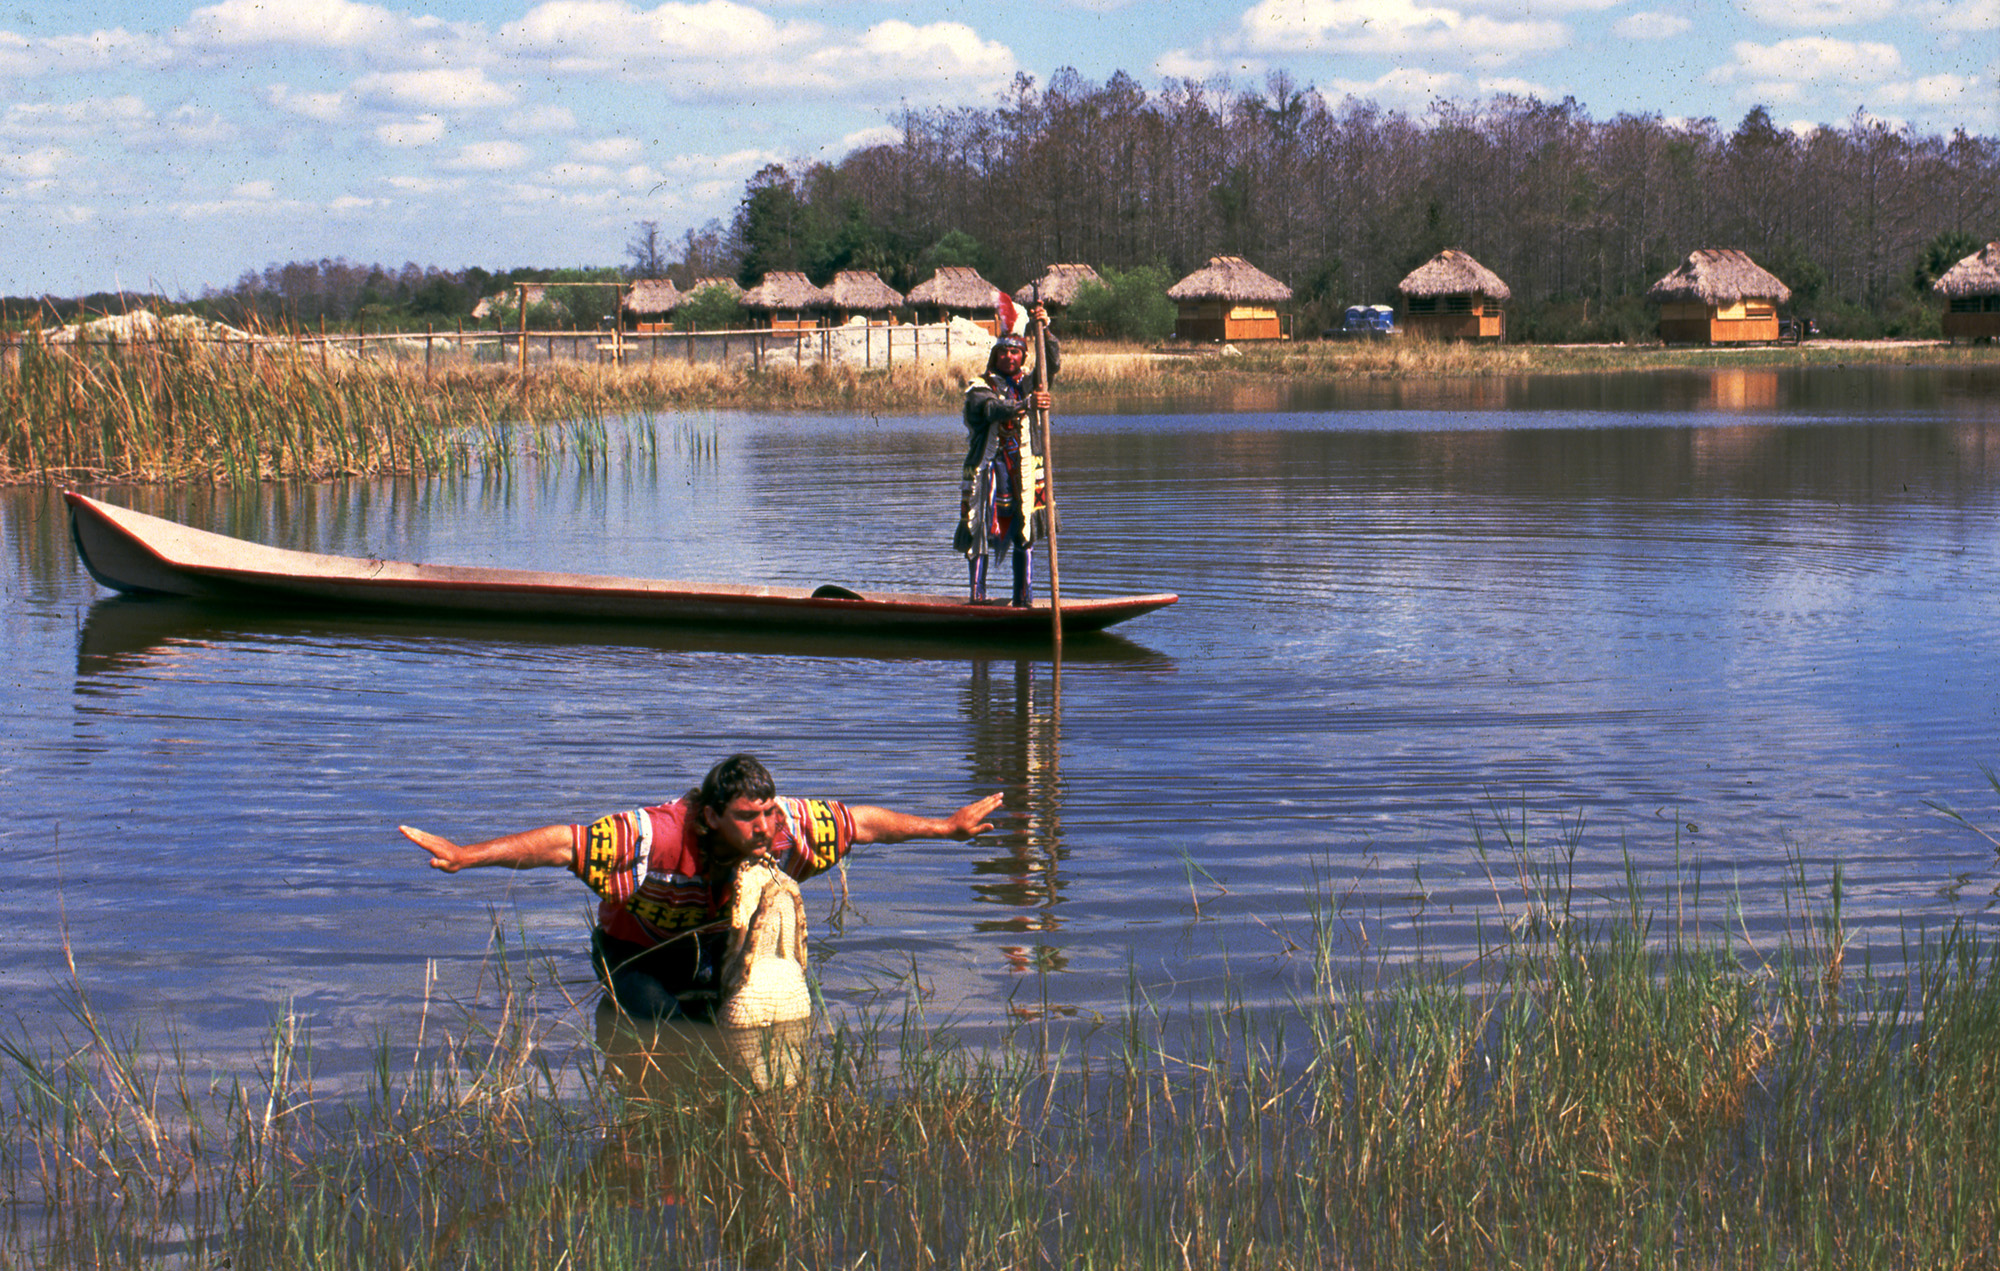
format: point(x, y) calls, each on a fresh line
point(144, 325)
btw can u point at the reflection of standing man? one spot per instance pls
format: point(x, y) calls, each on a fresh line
point(1003, 489)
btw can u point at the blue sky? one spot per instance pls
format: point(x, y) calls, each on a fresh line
point(154, 147)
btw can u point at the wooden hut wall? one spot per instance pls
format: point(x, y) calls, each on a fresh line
point(1972, 318)
point(1455, 317)
point(1691, 322)
point(1220, 320)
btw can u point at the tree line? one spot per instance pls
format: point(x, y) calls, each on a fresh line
point(1341, 199)
point(1337, 198)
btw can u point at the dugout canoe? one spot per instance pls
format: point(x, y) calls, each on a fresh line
point(139, 554)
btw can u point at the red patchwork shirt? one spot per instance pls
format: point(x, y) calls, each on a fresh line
point(648, 865)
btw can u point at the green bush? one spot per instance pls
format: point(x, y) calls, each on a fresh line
point(1129, 304)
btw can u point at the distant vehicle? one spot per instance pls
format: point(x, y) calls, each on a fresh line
point(1796, 330)
point(1362, 321)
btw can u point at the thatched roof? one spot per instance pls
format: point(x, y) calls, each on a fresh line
point(956, 287)
point(786, 289)
point(1719, 276)
point(1230, 278)
point(651, 296)
point(1976, 275)
point(1453, 273)
point(730, 285)
point(862, 290)
point(1059, 285)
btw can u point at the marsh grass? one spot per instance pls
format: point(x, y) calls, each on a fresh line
point(168, 411)
point(1601, 1086)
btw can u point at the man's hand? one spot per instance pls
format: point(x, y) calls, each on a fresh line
point(445, 854)
point(970, 820)
point(531, 849)
point(883, 825)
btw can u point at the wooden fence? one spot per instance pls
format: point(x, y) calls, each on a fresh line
point(866, 347)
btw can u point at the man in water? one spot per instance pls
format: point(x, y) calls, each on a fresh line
point(1002, 493)
point(663, 871)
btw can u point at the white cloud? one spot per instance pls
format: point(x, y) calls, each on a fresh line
point(612, 36)
point(1287, 28)
point(898, 52)
point(490, 156)
point(1651, 25)
point(329, 24)
point(609, 149)
point(540, 119)
point(880, 135)
point(407, 134)
point(193, 126)
point(1407, 88)
point(89, 117)
point(1817, 14)
point(1955, 91)
point(1783, 71)
point(424, 185)
point(720, 50)
point(41, 164)
point(1967, 15)
point(434, 89)
point(256, 198)
point(113, 50)
point(325, 107)
point(1185, 64)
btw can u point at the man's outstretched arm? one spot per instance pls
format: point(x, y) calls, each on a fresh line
point(541, 848)
point(884, 825)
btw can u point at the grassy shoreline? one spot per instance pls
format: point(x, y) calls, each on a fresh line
point(1603, 1087)
point(180, 413)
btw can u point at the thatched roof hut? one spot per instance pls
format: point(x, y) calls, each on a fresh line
point(730, 285)
point(1231, 278)
point(1718, 277)
point(958, 288)
point(652, 298)
point(1971, 290)
point(1976, 275)
point(1451, 296)
point(786, 290)
point(650, 304)
point(1453, 273)
point(1058, 287)
point(862, 291)
point(1230, 299)
point(787, 299)
point(1718, 296)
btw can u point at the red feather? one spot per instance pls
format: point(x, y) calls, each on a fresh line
point(1003, 304)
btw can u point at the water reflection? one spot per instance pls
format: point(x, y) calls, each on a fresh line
point(1014, 710)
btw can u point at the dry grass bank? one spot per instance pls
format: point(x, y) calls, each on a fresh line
point(187, 412)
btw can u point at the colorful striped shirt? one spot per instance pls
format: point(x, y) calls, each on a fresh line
point(649, 867)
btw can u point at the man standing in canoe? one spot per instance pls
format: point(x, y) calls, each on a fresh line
point(1002, 489)
point(662, 871)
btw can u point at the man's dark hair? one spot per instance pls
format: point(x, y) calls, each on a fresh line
point(737, 777)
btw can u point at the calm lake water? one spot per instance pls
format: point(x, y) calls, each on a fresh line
point(1737, 626)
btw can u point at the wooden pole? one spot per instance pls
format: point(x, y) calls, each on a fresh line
point(1043, 427)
